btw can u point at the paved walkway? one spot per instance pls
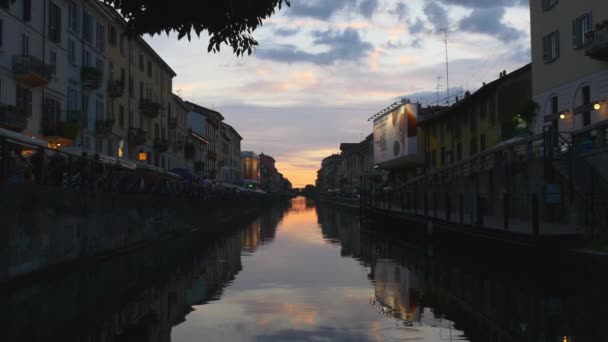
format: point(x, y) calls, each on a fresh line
point(497, 223)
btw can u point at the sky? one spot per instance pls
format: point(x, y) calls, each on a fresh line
point(322, 68)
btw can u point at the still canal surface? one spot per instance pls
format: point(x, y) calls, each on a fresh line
point(302, 272)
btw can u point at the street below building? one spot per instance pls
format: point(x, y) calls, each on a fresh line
point(309, 272)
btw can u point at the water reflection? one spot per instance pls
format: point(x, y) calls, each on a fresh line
point(302, 273)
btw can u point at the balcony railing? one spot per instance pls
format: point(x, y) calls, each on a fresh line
point(149, 108)
point(597, 46)
point(104, 127)
point(116, 89)
point(31, 71)
point(137, 136)
point(161, 145)
point(13, 118)
point(91, 78)
point(64, 129)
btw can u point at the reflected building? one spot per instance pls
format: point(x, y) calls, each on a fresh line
point(487, 303)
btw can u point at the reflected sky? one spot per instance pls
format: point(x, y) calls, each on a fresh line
point(299, 287)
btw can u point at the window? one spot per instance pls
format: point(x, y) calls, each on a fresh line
point(24, 100)
point(113, 35)
point(586, 92)
point(52, 109)
point(580, 27)
point(554, 105)
point(482, 143)
point(25, 45)
point(87, 27)
point(121, 116)
point(99, 109)
point(111, 71)
point(72, 104)
point(54, 23)
point(551, 47)
point(473, 146)
point(100, 65)
point(492, 110)
point(101, 38)
point(71, 52)
point(74, 17)
point(141, 61)
point(27, 10)
point(149, 69)
point(53, 62)
point(123, 76)
point(141, 90)
point(1, 32)
point(122, 45)
point(87, 58)
point(548, 4)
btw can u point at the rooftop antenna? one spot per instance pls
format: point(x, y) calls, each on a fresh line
point(447, 68)
point(438, 88)
point(179, 92)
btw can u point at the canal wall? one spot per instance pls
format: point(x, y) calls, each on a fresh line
point(45, 228)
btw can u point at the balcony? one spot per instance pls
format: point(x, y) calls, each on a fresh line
point(104, 127)
point(597, 46)
point(91, 78)
point(60, 128)
point(31, 71)
point(137, 136)
point(172, 123)
point(149, 108)
point(13, 118)
point(161, 145)
point(115, 89)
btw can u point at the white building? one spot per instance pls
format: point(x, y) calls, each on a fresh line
point(569, 63)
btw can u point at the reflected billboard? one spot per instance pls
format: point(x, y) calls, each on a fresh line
point(395, 134)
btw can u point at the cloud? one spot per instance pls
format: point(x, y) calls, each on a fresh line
point(400, 11)
point(416, 26)
point(489, 21)
point(486, 3)
point(343, 46)
point(437, 15)
point(285, 32)
point(325, 9)
point(391, 45)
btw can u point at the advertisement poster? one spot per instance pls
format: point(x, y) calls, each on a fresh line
point(395, 134)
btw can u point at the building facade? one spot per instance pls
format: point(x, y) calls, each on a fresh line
point(475, 123)
point(212, 134)
point(569, 63)
point(251, 169)
point(231, 169)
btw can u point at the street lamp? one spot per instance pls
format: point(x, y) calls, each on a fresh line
point(597, 106)
point(562, 116)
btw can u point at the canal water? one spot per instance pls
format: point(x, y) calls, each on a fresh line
point(303, 272)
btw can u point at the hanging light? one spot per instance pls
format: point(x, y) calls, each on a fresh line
point(562, 116)
point(597, 106)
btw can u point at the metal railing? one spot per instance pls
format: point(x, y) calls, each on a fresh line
point(31, 70)
point(597, 46)
point(13, 118)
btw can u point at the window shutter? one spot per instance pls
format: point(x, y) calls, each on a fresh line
point(556, 45)
point(546, 48)
point(575, 33)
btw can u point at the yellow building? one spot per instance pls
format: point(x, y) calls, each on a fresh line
point(140, 88)
point(475, 123)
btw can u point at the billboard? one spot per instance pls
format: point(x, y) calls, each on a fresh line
point(395, 134)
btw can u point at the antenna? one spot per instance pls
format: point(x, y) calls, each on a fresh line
point(438, 88)
point(447, 68)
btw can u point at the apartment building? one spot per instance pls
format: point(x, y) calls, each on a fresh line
point(178, 132)
point(212, 134)
point(569, 63)
point(32, 69)
point(231, 168)
point(475, 123)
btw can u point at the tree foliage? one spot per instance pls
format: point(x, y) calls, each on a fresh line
point(229, 22)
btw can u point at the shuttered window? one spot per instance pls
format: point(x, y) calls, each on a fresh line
point(580, 27)
point(551, 47)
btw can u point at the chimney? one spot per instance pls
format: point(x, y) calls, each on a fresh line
point(456, 98)
point(484, 84)
point(467, 94)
